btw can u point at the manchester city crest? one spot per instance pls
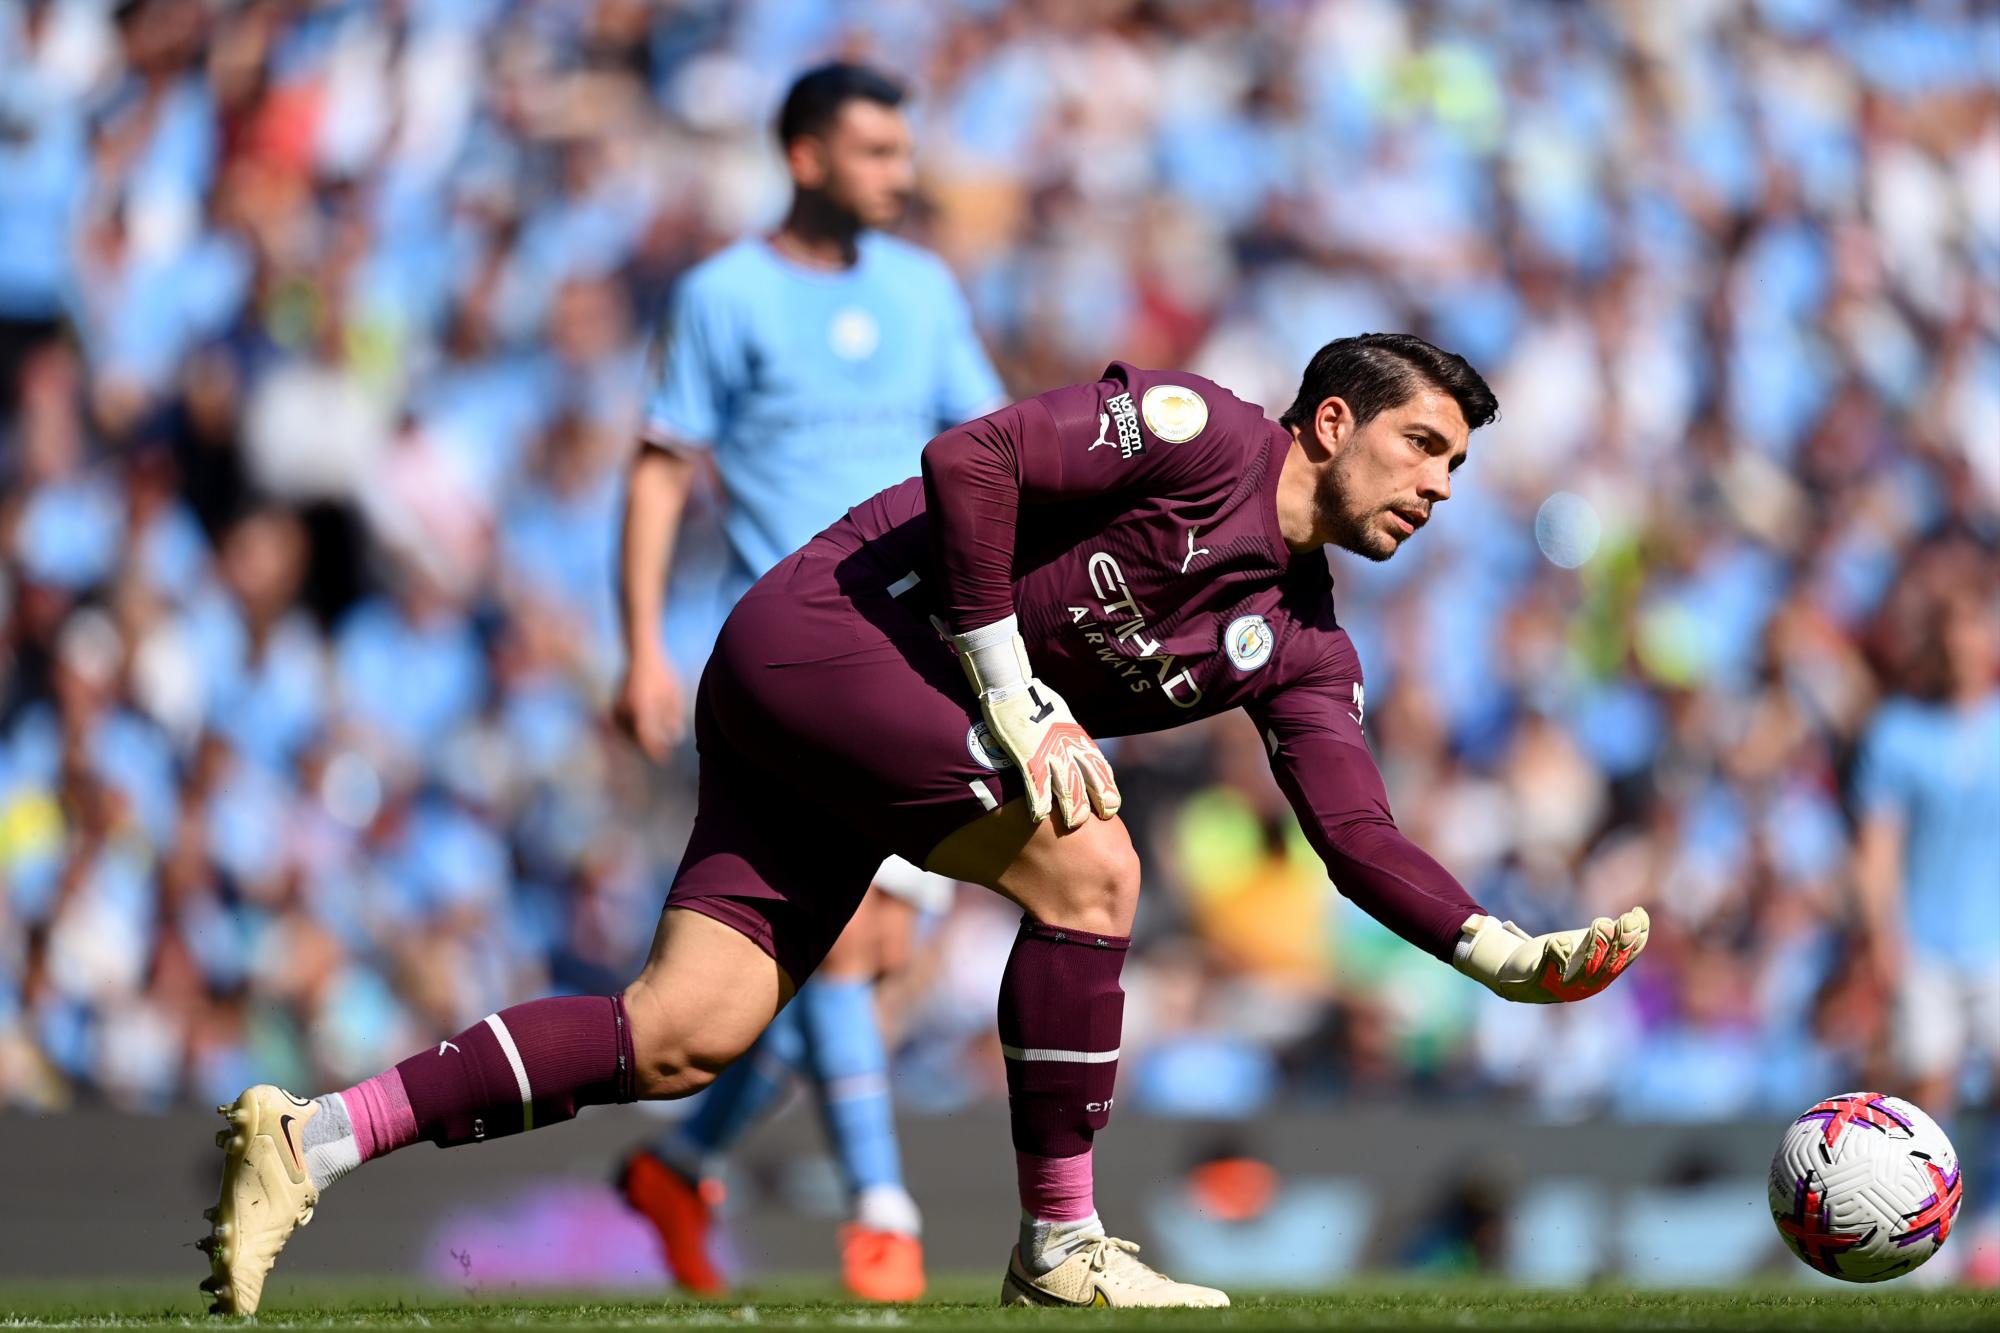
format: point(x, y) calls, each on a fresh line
point(985, 751)
point(1248, 641)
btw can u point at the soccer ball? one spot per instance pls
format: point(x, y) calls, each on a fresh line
point(1864, 1187)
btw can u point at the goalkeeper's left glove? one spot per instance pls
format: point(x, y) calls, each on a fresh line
point(1058, 761)
point(1556, 968)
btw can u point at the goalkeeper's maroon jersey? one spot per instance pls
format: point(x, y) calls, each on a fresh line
point(1132, 526)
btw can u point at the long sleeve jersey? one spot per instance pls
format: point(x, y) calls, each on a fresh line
point(1132, 526)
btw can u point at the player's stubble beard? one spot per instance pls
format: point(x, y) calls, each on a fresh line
point(820, 215)
point(1348, 525)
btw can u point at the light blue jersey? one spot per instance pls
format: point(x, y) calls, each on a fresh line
point(1936, 770)
point(814, 389)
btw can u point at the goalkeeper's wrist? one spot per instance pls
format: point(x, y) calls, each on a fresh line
point(1486, 946)
point(995, 659)
point(1461, 953)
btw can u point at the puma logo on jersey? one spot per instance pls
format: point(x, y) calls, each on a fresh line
point(1192, 552)
point(1129, 440)
point(443, 1046)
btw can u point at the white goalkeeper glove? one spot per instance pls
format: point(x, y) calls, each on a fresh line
point(1058, 761)
point(1556, 968)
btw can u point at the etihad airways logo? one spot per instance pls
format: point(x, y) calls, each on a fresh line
point(1124, 623)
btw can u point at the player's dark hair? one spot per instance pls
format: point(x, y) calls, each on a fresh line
point(815, 101)
point(1378, 371)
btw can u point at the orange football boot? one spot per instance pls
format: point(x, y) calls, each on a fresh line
point(683, 1212)
point(881, 1265)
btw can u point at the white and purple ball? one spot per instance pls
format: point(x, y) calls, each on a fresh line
point(1865, 1187)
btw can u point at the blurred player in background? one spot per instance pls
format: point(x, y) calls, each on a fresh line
point(1927, 855)
point(811, 367)
point(1146, 550)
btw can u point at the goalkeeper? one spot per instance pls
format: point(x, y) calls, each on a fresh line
point(927, 677)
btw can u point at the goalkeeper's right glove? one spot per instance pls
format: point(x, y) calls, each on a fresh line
point(1057, 760)
point(1555, 968)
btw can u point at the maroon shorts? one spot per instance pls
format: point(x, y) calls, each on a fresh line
point(834, 727)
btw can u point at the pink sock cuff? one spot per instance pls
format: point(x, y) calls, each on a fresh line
point(1055, 1189)
point(379, 1110)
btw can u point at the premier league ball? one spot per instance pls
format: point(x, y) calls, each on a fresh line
point(1864, 1187)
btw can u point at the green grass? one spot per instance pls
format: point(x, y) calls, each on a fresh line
point(966, 1304)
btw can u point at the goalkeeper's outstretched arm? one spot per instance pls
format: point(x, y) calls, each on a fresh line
point(1314, 738)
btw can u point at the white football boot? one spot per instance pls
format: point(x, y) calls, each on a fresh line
point(1101, 1271)
point(266, 1194)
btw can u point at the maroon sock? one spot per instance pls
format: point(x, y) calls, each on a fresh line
point(532, 1065)
point(1060, 1013)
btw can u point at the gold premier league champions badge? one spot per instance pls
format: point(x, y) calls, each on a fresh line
point(1173, 413)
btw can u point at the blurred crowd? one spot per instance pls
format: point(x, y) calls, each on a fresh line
point(323, 325)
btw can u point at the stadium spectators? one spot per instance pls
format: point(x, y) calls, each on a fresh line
point(321, 328)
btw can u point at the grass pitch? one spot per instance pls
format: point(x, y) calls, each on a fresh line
point(966, 1304)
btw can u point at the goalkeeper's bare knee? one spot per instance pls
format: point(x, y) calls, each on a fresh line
point(705, 996)
point(1087, 879)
